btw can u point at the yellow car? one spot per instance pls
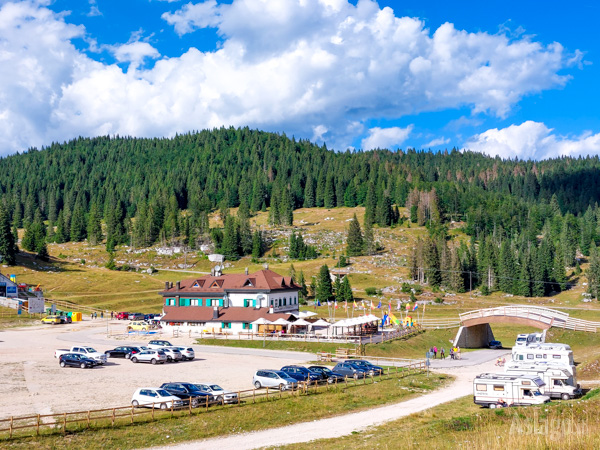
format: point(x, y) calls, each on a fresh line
point(51, 319)
point(140, 326)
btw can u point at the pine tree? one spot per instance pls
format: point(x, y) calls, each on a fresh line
point(431, 260)
point(384, 211)
point(231, 240)
point(350, 196)
point(94, 226)
point(354, 240)
point(304, 289)
point(593, 272)
point(456, 277)
point(59, 235)
point(78, 225)
point(369, 239)
point(329, 194)
point(337, 287)
point(569, 238)
point(286, 208)
point(309, 193)
point(28, 241)
point(370, 205)
point(324, 290)
point(506, 268)
point(346, 290)
point(257, 245)
point(7, 239)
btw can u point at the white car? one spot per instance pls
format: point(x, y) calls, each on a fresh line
point(218, 392)
point(152, 397)
point(187, 353)
point(273, 378)
point(151, 356)
point(159, 343)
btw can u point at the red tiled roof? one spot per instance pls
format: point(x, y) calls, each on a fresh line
point(257, 281)
point(205, 314)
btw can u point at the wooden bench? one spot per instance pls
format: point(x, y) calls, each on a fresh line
point(324, 356)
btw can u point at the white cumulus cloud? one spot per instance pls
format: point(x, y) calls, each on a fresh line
point(299, 66)
point(386, 137)
point(533, 140)
point(437, 142)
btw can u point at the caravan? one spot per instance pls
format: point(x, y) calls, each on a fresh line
point(530, 339)
point(497, 390)
point(555, 353)
point(560, 382)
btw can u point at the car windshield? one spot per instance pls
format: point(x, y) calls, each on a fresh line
point(324, 370)
point(216, 387)
point(160, 352)
point(163, 393)
point(281, 373)
point(91, 350)
point(360, 363)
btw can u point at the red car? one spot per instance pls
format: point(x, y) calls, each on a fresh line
point(123, 315)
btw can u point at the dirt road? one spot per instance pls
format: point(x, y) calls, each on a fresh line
point(343, 425)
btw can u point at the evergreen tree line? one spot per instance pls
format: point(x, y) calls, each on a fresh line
point(300, 250)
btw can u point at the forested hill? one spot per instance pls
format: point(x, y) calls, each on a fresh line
point(118, 178)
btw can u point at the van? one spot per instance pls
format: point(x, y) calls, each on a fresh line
point(556, 353)
point(493, 390)
point(560, 382)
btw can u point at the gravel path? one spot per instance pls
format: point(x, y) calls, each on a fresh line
point(343, 425)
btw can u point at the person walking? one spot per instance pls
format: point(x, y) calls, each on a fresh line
point(442, 354)
point(451, 352)
point(102, 314)
point(92, 316)
point(434, 352)
point(112, 315)
point(95, 315)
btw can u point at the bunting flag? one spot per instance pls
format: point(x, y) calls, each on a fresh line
point(379, 305)
point(372, 307)
point(354, 304)
point(390, 306)
point(415, 308)
point(394, 319)
point(407, 306)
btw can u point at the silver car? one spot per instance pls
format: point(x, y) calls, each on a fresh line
point(218, 392)
point(173, 354)
point(187, 353)
point(151, 356)
point(273, 378)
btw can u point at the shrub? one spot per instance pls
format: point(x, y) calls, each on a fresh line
point(439, 300)
point(371, 291)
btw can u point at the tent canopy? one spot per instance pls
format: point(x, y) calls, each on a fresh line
point(300, 322)
point(281, 321)
point(261, 321)
point(321, 323)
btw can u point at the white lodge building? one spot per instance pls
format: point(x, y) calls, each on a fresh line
point(229, 302)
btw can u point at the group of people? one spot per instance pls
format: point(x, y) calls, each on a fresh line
point(500, 361)
point(94, 315)
point(454, 352)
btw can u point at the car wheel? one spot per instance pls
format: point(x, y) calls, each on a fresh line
point(163, 406)
point(82, 365)
point(492, 406)
point(62, 364)
point(565, 396)
point(169, 359)
point(257, 384)
point(190, 359)
point(153, 361)
point(135, 403)
point(330, 380)
point(134, 359)
point(128, 356)
point(219, 399)
point(195, 403)
point(356, 376)
point(281, 387)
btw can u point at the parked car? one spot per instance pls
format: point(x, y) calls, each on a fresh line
point(149, 317)
point(66, 319)
point(300, 373)
point(173, 354)
point(369, 368)
point(219, 394)
point(273, 378)
point(122, 352)
point(155, 398)
point(76, 360)
point(157, 343)
point(52, 320)
point(138, 325)
point(495, 344)
point(188, 392)
point(187, 353)
point(135, 316)
point(349, 370)
point(152, 356)
point(88, 352)
point(123, 315)
point(327, 373)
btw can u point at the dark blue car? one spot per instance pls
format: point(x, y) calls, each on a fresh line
point(300, 373)
point(366, 366)
point(350, 370)
point(327, 374)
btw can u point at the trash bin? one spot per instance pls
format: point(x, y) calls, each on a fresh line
point(76, 316)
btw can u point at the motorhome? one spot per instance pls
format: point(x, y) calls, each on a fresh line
point(557, 353)
point(501, 389)
point(530, 339)
point(560, 382)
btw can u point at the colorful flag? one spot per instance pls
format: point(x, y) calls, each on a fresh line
point(372, 307)
point(390, 306)
point(379, 305)
point(394, 319)
point(415, 308)
point(407, 306)
point(345, 305)
point(354, 304)
point(318, 302)
point(336, 304)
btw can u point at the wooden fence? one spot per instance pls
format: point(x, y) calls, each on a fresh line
point(19, 426)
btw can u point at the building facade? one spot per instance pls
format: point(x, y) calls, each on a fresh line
point(229, 302)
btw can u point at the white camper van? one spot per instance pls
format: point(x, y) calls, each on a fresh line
point(530, 339)
point(560, 382)
point(500, 389)
point(556, 353)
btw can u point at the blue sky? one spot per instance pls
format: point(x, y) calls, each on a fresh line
point(515, 79)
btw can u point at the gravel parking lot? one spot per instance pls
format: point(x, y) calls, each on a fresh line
point(34, 383)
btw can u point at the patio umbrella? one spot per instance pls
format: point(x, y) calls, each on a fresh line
point(281, 321)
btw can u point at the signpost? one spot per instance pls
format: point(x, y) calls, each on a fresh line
point(427, 363)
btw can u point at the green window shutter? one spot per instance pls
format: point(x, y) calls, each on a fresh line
point(254, 303)
point(249, 326)
point(220, 302)
point(199, 302)
point(243, 326)
point(223, 325)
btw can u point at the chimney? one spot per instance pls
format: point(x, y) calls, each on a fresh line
point(215, 313)
point(171, 285)
point(266, 266)
point(166, 285)
point(178, 285)
point(246, 271)
point(271, 310)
